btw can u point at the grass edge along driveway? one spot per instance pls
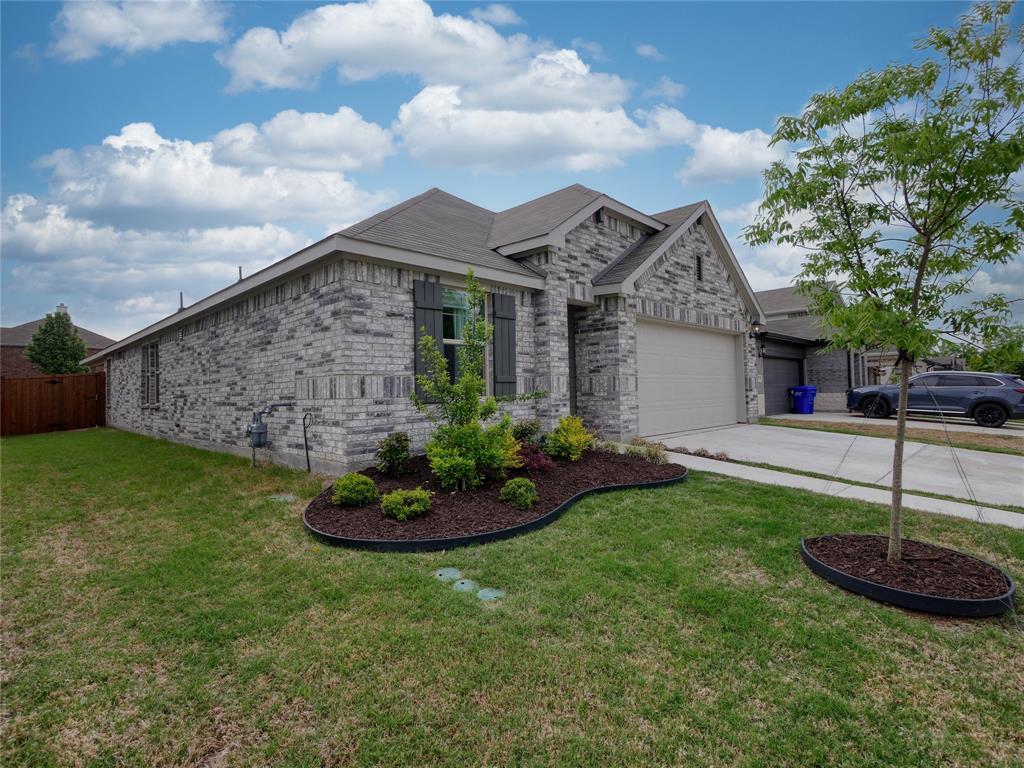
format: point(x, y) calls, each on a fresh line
point(160, 610)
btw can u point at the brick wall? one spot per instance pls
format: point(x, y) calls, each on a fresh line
point(829, 372)
point(337, 341)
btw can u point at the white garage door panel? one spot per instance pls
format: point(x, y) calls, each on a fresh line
point(686, 378)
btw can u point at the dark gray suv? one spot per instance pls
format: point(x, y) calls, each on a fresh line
point(988, 398)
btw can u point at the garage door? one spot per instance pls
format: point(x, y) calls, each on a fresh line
point(779, 375)
point(687, 378)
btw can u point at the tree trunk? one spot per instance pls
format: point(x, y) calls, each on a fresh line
point(896, 513)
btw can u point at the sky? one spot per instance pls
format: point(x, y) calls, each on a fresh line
point(152, 148)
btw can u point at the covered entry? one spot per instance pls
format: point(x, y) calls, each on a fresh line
point(782, 365)
point(687, 378)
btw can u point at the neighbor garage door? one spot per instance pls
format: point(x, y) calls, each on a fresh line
point(687, 378)
point(779, 375)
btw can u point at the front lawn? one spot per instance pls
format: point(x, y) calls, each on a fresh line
point(159, 609)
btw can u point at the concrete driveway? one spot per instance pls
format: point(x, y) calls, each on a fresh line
point(996, 478)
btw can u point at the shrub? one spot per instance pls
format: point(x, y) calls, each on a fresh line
point(393, 454)
point(569, 439)
point(656, 453)
point(526, 431)
point(607, 446)
point(462, 451)
point(519, 492)
point(404, 504)
point(533, 459)
point(354, 490)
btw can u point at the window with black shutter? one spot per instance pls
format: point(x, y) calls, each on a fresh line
point(504, 319)
point(428, 305)
point(151, 374)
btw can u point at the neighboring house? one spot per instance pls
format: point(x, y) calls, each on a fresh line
point(13, 340)
point(638, 323)
point(792, 353)
point(882, 367)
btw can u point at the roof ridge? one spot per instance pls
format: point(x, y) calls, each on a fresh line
point(359, 227)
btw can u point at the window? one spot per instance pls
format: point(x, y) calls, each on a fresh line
point(150, 375)
point(926, 381)
point(454, 314)
point(700, 267)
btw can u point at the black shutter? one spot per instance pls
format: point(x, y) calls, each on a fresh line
point(504, 343)
point(429, 303)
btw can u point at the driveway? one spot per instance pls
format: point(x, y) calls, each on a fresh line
point(1009, 429)
point(995, 478)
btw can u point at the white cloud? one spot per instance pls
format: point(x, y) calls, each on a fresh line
point(648, 51)
point(138, 178)
point(720, 154)
point(740, 215)
point(310, 140)
point(437, 127)
point(368, 39)
point(119, 280)
point(497, 15)
point(594, 50)
point(666, 88)
point(83, 29)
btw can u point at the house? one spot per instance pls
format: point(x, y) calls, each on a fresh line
point(882, 367)
point(14, 340)
point(638, 323)
point(792, 352)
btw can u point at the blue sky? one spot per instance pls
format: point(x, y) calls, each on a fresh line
point(152, 149)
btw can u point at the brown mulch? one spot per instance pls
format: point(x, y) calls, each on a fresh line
point(923, 568)
point(479, 511)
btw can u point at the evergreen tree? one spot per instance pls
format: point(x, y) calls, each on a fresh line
point(56, 347)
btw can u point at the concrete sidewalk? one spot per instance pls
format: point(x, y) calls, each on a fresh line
point(846, 491)
point(1009, 429)
point(995, 478)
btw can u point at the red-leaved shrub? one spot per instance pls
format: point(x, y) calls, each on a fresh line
point(535, 460)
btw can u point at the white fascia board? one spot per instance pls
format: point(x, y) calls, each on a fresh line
point(440, 264)
point(308, 256)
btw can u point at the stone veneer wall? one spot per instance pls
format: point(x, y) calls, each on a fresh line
point(336, 341)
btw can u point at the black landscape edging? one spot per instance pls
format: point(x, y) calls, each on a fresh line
point(451, 542)
point(914, 601)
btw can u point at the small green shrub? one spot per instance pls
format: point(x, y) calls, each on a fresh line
point(656, 453)
point(526, 431)
point(569, 439)
point(354, 490)
point(393, 454)
point(519, 492)
point(454, 469)
point(463, 456)
point(404, 504)
point(607, 446)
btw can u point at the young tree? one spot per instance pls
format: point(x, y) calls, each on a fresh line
point(900, 189)
point(56, 347)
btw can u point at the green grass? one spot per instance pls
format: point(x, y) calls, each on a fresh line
point(159, 610)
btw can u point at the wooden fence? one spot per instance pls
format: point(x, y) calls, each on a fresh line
point(52, 403)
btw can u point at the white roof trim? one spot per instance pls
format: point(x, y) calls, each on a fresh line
point(308, 256)
point(721, 244)
point(556, 237)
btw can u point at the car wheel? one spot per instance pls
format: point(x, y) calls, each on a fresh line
point(875, 408)
point(990, 415)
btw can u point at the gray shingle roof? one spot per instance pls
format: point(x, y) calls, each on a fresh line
point(779, 300)
point(438, 224)
point(808, 327)
point(540, 216)
point(629, 260)
point(20, 335)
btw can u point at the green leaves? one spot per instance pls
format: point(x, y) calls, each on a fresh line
point(56, 347)
point(901, 189)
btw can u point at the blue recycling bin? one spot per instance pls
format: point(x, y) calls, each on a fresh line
point(803, 399)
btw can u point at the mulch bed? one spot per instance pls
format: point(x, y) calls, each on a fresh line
point(479, 511)
point(924, 568)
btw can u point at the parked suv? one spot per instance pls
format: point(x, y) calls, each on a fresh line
point(988, 398)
